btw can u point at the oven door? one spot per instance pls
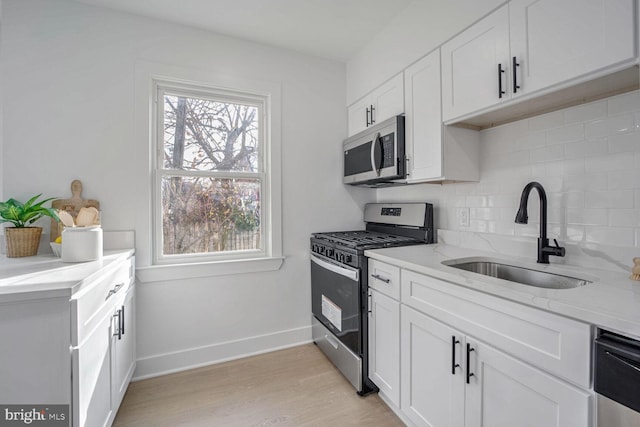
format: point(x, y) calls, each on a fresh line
point(335, 301)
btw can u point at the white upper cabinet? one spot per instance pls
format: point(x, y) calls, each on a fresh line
point(434, 153)
point(474, 66)
point(423, 120)
point(555, 41)
point(386, 101)
point(534, 46)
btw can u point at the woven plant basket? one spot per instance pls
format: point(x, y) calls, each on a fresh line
point(22, 241)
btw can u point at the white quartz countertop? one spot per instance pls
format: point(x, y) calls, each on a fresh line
point(46, 276)
point(611, 301)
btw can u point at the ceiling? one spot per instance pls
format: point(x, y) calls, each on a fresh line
point(334, 29)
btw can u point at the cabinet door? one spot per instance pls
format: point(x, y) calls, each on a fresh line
point(91, 363)
point(358, 115)
point(470, 77)
point(384, 102)
point(388, 99)
point(123, 347)
point(423, 121)
point(505, 392)
point(384, 345)
point(432, 386)
point(34, 359)
point(555, 41)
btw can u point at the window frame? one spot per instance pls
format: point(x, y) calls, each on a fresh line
point(263, 175)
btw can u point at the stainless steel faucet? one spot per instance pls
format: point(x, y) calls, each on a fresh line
point(544, 250)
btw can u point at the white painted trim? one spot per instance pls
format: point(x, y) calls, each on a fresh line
point(168, 363)
point(145, 73)
point(168, 272)
point(395, 409)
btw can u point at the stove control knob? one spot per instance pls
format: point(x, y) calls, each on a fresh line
point(329, 252)
point(348, 259)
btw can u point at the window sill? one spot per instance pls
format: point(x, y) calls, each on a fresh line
point(163, 273)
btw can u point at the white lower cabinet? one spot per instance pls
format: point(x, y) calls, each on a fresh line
point(432, 377)
point(92, 405)
point(384, 345)
point(450, 379)
point(73, 348)
point(447, 356)
point(123, 352)
point(505, 392)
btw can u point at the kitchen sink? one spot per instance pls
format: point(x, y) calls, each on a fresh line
point(512, 273)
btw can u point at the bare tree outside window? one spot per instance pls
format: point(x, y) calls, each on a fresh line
point(211, 175)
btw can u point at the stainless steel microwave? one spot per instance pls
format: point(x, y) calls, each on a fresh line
point(375, 156)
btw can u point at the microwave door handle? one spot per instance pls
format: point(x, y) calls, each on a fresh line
point(376, 161)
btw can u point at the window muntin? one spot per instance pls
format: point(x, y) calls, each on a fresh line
point(211, 177)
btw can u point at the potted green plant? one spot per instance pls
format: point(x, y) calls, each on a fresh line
point(24, 239)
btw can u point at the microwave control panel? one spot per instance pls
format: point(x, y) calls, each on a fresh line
point(388, 152)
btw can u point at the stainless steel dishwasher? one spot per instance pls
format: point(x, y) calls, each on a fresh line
point(617, 380)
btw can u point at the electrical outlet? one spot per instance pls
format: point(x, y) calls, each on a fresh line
point(463, 217)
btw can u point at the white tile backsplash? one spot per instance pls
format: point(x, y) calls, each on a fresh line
point(623, 103)
point(609, 199)
point(623, 180)
point(545, 121)
point(588, 159)
point(624, 217)
point(585, 148)
point(624, 142)
point(620, 124)
point(586, 113)
point(609, 162)
point(567, 133)
point(587, 216)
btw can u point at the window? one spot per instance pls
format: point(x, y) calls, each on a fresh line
point(211, 175)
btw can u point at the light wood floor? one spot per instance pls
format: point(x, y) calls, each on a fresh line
point(292, 387)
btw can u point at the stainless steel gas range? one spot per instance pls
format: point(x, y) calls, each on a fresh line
point(339, 281)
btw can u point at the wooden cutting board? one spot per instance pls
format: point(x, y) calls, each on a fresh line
point(72, 205)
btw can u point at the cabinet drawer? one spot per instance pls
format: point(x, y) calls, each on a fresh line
point(553, 343)
point(87, 304)
point(384, 278)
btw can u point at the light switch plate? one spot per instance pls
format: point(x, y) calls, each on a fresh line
point(463, 217)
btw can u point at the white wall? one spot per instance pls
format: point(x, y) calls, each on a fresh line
point(587, 158)
point(68, 86)
point(418, 29)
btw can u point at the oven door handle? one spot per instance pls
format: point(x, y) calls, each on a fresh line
point(346, 272)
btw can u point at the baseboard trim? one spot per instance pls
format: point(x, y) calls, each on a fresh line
point(169, 363)
point(395, 410)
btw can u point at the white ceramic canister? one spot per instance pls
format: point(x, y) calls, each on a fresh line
point(81, 244)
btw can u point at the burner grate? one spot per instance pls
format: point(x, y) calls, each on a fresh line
point(363, 238)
